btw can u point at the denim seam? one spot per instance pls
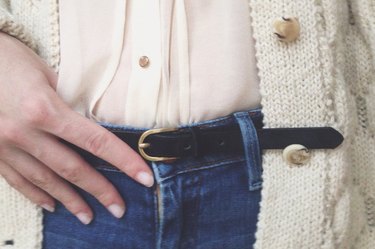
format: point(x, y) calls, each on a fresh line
point(212, 165)
point(253, 148)
point(156, 171)
point(192, 242)
point(255, 180)
point(198, 165)
point(222, 160)
point(156, 219)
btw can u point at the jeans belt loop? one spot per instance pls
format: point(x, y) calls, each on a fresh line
point(251, 148)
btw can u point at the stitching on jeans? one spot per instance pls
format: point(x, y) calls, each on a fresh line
point(191, 167)
point(211, 165)
point(120, 129)
point(223, 160)
point(255, 178)
point(255, 153)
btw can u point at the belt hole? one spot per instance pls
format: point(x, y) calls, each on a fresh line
point(187, 147)
point(8, 242)
point(221, 142)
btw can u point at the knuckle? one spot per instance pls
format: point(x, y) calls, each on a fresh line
point(36, 110)
point(97, 143)
point(71, 173)
point(41, 180)
point(40, 153)
point(11, 133)
point(62, 128)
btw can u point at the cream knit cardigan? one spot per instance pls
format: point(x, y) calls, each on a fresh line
point(325, 78)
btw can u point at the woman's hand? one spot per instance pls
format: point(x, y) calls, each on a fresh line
point(33, 118)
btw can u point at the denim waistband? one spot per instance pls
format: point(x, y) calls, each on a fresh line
point(248, 120)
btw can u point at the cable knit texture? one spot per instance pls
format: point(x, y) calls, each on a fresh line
point(325, 78)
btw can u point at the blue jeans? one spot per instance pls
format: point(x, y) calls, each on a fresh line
point(210, 202)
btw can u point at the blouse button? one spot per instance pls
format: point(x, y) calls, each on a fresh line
point(287, 29)
point(144, 61)
point(296, 154)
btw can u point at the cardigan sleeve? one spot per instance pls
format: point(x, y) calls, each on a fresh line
point(11, 27)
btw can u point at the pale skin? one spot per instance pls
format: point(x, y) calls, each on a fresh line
point(32, 120)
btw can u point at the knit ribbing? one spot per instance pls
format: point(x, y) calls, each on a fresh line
point(9, 26)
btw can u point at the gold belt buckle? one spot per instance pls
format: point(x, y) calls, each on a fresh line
point(142, 145)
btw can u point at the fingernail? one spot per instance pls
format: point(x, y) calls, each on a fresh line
point(48, 208)
point(84, 218)
point(116, 210)
point(145, 178)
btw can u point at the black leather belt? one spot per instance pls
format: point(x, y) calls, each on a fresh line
point(163, 144)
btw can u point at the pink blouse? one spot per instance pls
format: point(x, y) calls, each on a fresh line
point(180, 61)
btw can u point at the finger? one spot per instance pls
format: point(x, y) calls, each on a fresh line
point(51, 76)
point(94, 138)
point(70, 166)
point(26, 188)
point(42, 178)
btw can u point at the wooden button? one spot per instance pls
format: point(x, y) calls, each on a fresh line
point(144, 61)
point(287, 29)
